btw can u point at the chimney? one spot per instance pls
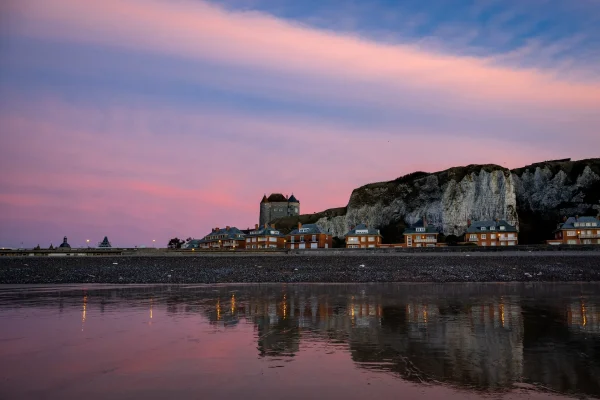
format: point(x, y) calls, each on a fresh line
point(468, 222)
point(255, 227)
point(424, 221)
point(565, 218)
point(577, 218)
point(227, 227)
point(272, 225)
point(352, 227)
point(299, 225)
point(266, 225)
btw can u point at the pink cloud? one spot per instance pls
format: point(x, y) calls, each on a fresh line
point(74, 173)
point(197, 30)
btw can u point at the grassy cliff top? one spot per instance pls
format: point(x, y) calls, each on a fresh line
point(287, 224)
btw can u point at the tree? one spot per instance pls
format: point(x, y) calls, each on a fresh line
point(175, 243)
point(452, 240)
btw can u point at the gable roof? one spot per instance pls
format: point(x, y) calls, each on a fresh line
point(477, 225)
point(311, 229)
point(231, 233)
point(266, 231)
point(420, 224)
point(571, 221)
point(365, 230)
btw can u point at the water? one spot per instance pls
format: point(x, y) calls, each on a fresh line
point(311, 341)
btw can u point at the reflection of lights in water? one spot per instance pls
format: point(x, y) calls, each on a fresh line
point(218, 310)
point(233, 302)
point(83, 313)
point(583, 315)
point(502, 313)
point(150, 308)
point(284, 306)
point(425, 314)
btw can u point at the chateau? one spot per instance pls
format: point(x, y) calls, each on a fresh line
point(277, 206)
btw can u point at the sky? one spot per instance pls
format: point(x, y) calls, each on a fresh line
point(144, 120)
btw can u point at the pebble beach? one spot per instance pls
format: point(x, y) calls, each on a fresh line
point(339, 268)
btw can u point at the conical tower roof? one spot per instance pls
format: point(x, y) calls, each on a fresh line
point(293, 199)
point(105, 242)
point(264, 199)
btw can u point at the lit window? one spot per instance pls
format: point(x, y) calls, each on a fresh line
point(483, 236)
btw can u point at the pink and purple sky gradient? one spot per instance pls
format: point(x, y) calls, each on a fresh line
point(149, 119)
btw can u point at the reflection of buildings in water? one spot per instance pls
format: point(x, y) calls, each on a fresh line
point(583, 316)
point(561, 347)
point(478, 345)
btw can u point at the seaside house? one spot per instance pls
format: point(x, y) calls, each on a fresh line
point(309, 236)
point(265, 237)
point(362, 237)
point(421, 234)
point(577, 230)
point(228, 238)
point(491, 233)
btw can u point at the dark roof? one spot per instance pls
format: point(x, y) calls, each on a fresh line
point(264, 199)
point(420, 224)
point(231, 233)
point(266, 231)
point(293, 199)
point(477, 225)
point(311, 229)
point(276, 197)
point(105, 242)
point(64, 244)
point(364, 230)
point(571, 221)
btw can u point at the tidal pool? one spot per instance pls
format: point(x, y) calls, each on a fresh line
point(305, 341)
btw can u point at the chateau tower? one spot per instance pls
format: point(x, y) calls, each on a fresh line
point(277, 206)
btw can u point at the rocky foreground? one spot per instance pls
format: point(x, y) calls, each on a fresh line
point(475, 267)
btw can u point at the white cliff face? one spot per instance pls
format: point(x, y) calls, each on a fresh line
point(541, 190)
point(448, 206)
point(482, 195)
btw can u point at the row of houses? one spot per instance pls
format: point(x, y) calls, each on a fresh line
point(574, 230)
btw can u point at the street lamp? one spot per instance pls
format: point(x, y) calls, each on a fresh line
point(154, 243)
point(88, 243)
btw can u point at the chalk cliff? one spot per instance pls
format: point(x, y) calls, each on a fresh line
point(534, 198)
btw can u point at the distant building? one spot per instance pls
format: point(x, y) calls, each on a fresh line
point(228, 238)
point(105, 244)
point(64, 244)
point(265, 237)
point(362, 237)
point(577, 230)
point(492, 233)
point(309, 236)
point(421, 234)
point(277, 206)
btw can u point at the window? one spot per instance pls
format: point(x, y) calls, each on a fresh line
point(302, 238)
point(292, 239)
point(502, 228)
point(362, 231)
point(371, 238)
point(571, 241)
point(571, 233)
point(588, 224)
point(493, 236)
point(483, 228)
point(473, 237)
point(362, 239)
point(420, 229)
point(492, 228)
point(314, 238)
point(304, 230)
point(484, 236)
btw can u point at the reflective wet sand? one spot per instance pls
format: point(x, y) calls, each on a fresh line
point(277, 341)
